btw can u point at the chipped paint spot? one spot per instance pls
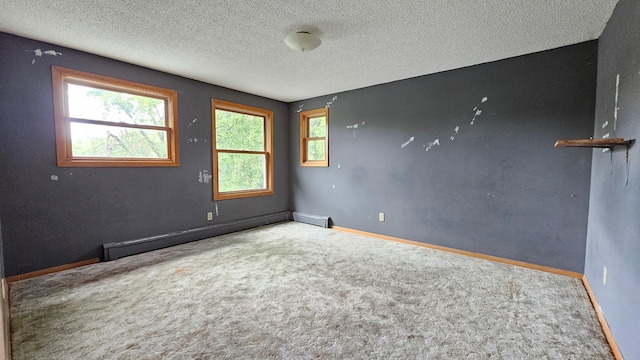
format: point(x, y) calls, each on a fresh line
point(616, 108)
point(300, 108)
point(193, 122)
point(606, 136)
point(204, 177)
point(355, 126)
point(457, 129)
point(605, 124)
point(452, 138)
point(477, 110)
point(435, 142)
point(54, 177)
point(329, 103)
point(216, 209)
point(408, 142)
point(39, 53)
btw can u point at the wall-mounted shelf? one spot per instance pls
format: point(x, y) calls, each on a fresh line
point(601, 143)
point(595, 143)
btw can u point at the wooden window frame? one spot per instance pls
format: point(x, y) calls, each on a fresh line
point(305, 138)
point(61, 77)
point(267, 115)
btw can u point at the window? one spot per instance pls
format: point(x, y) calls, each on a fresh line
point(242, 150)
point(102, 121)
point(314, 144)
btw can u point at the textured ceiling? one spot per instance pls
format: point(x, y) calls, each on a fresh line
point(239, 44)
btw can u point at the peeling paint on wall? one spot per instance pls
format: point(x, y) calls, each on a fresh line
point(408, 142)
point(616, 108)
point(435, 142)
point(356, 126)
point(54, 177)
point(605, 124)
point(299, 108)
point(329, 103)
point(193, 122)
point(456, 130)
point(204, 177)
point(217, 210)
point(39, 53)
point(477, 110)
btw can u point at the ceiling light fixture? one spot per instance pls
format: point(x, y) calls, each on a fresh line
point(302, 41)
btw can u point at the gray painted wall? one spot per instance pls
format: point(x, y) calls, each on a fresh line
point(48, 223)
point(614, 230)
point(499, 187)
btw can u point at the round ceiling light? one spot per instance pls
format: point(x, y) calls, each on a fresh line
point(302, 41)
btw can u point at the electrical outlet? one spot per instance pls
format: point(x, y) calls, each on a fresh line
point(209, 216)
point(381, 216)
point(604, 275)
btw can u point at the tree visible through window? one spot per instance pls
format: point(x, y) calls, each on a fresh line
point(102, 121)
point(314, 145)
point(242, 150)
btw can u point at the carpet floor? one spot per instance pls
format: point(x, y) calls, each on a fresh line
point(296, 291)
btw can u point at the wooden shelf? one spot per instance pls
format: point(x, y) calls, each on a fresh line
point(594, 143)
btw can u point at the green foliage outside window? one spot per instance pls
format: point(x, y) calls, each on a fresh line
point(240, 132)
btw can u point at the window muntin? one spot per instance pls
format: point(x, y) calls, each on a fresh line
point(314, 145)
point(242, 150)
point(103, 121)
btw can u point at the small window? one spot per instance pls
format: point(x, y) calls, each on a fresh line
point(102, 121)
point(242, 150)
point(314, 132)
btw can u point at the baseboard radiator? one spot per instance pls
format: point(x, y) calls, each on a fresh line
point(317, 220)
point(115, 250)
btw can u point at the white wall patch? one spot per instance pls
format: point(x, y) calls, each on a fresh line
point(616, 108)
point(204, 177)
point(408, 142)
point(477, 110)
point(39, 53)
point(54, 177)
point(193, 122)
point(329, 103)
point(605, 124)
point(435, 142)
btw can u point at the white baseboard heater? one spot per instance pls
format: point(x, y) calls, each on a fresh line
point(317, 220)
point(115, 250)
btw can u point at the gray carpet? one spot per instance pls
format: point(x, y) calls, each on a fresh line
point(298, 291)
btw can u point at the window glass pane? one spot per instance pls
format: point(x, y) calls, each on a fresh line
point(318, 127)
point(235, 131)
point(97, 104)
point(114, 141)
point(315, 150)
point(241, 172)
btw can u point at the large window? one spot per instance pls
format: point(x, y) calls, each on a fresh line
point(102, 121)
point(242, 150)
point(314, 144)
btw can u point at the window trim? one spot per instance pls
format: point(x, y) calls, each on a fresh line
point(268, 151)
point(304, 137)
point(64, 155)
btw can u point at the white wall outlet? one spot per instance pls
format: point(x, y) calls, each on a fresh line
point(210, 216)
point(381, 216)
point(604, 275)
